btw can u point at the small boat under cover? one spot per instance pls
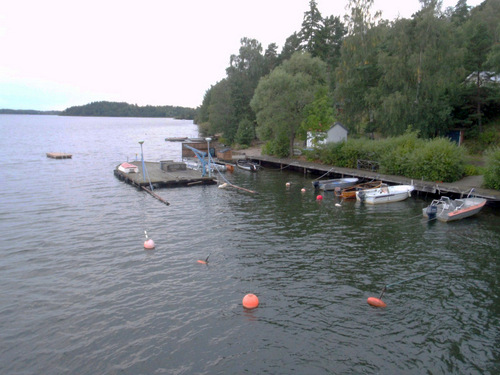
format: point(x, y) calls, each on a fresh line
point(337, 183)
point(446, 209)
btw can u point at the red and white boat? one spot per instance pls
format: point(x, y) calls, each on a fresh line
point(446, 209)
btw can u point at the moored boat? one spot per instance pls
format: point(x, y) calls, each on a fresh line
point(350, 192)
point(213, 166)
point(446, 209)
point(175, 139)
point(337, 183)
point(384, 194)
point(247, 165)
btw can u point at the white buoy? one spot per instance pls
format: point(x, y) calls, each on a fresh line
point(149, 244)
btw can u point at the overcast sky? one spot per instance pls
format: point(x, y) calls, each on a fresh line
point(60, 53)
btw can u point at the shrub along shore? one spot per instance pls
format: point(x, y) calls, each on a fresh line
point(437, 159)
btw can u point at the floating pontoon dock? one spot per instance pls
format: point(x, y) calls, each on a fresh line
point(58, 155)
point(161, 174)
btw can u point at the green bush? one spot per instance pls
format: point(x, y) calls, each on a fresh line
point(492, 173)
point(278, 147)
point(245, 133)
point(473, 170)
point(438, 159)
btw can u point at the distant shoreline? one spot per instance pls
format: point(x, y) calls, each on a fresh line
point(27, 112)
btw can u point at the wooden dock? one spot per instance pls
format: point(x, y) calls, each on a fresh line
point(58, 155)
point(455, 189)
point(163, 174)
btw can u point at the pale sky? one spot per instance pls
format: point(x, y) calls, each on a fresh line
point(55, 54)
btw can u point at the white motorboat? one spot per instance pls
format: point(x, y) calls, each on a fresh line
point(446, 209)
point(385, 194)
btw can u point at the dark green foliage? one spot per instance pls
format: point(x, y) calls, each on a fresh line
point(381, 77)
point(492, 173)
point(114, 109)
point(246, 133)
point(281, 98)
point(277, 146)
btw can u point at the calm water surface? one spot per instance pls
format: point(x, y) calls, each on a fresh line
point(80, 295)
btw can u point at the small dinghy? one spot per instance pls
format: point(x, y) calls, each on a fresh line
point(247, 165)
point(350, 192)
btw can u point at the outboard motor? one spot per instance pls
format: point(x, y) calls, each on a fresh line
point(361, 195)
point(431, 211)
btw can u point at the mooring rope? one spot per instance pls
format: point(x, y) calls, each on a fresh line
point(324, 174)
point(224, 177)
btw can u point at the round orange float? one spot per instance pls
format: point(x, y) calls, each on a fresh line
point(376, 302)
point(319, 197)
point(250, 301)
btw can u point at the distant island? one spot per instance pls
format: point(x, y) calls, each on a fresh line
point(115, 109)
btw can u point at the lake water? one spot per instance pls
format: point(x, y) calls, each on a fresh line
point(80, 295)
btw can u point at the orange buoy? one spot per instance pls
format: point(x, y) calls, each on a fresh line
point(303, 190)
point(319, 197)
point(250, 301)
point(376, 302)
point(287, 184)
point(204, 261)
point(149, 244)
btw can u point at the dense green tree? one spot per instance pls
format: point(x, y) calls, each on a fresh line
point(221, 112)
point(243, 75)
point(292, 45)
point(330, 40)
point(357, 73)
point(478, 47)
point(310, 33)
point(271, 57)
point(202, 112)
point(245, 133)
point(319, 115)
point(281, 98)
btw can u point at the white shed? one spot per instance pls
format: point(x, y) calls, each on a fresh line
point(337, 133)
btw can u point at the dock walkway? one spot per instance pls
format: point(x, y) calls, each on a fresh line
point(458, 188)
point(161, 176)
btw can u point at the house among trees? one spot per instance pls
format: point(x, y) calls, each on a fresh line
point(337, 133)
point(483, 78)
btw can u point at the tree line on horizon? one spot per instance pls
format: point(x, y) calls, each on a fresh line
point(120, 109)
point(431, 73)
